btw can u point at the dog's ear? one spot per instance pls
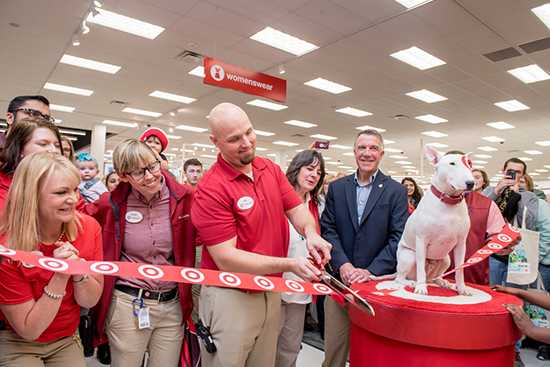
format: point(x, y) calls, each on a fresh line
point(433, 155)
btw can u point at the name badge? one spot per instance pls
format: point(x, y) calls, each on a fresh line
point(246, 202)
point(134, 217)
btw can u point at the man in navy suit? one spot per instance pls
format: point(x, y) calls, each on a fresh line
point(364, 218)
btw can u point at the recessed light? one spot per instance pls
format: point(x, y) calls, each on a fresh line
point(543, 12)
point(501, 125)
point(411, 167)
point(392, 150)
point(418, 58)
point(125, 24)
point(544, 143)
point(172, 97)
point(431, 119)
point(141, 112)
point(285, 143)
point(120, 123)
point(203, 145)
point(323, 137)
point(532, 152)
point(477, 166)
point(530, 74)
point(335, 163)
point(346, 167)
point(67, 89)
point(175, 137)
point(353, 112)
point(525, 158)
point(426, 96)
point(303, 124)
point(493, 139)
point(437, 145)
point(403, 162)
point(57, 107)
point(349, 154)
point(387, 141)
point(343, 147)
point(487, 149)
point(480, 162)
point(512, 105)
point(483, 156)
point(89, 64)
point(327, 86)
point(198, 71)
point(268, 105)
point(434, 134)
point(412, 3)
point(261, 149)
point(398, 157)
point(541, 170)
point(191, 128)
point(209, 156)
point(535, 174)
point(367, 127)
point(263, 133)
point(283, 41)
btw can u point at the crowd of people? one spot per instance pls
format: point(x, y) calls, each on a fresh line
point(243, 215)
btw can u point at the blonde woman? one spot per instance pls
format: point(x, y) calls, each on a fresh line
point(42, 308)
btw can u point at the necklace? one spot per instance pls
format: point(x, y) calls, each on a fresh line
point(62, 234)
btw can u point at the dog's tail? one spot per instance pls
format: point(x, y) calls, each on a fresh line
point(383, 277)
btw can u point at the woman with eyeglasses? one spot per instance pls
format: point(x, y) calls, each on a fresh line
point(145, 219)
point(42, 308)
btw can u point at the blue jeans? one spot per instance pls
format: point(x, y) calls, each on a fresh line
point(497, 274)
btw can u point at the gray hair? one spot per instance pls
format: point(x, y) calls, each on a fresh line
point(370, 132)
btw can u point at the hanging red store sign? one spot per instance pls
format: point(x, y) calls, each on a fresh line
point(243, 80)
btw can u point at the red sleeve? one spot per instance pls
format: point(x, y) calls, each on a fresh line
point(14, 288)
point(89, 241)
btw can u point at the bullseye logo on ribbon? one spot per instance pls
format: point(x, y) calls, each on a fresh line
point(7, 251)
point(104, 267)
point(151, 272)
point(264, 283)
point(53, 264)
point(295, 286)
point(192, 275)
point(322, 288)
point(230, 279)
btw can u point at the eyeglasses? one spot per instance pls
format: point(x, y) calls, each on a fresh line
point(139, 173)
point(34, 113)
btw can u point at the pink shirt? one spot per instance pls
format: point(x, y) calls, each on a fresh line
point(148, 237)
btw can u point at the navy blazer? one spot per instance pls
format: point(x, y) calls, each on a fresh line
point(371, 244)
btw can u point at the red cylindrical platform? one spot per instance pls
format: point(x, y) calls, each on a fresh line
point(409, 332)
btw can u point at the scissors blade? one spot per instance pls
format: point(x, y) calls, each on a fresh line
point(348, 294)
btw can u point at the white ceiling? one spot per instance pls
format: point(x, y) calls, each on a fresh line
point(355, 39)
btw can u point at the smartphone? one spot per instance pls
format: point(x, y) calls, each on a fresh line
point(322, 144)
point(511, 173)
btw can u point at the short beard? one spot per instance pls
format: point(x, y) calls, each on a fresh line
point(247, 159)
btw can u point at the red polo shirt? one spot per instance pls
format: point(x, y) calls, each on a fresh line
point(228, 203)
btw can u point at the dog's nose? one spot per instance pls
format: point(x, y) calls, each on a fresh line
point(470, 184)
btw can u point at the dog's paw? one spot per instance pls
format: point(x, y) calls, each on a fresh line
point(464, 291)
point(421, 289)
point(405, 282)
point(443, 283)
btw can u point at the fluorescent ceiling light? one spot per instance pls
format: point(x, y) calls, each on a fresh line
point(403, 162)
point(66, 89)
point(72, 132)
point(398, 157)
point(543, 12)
point(393, 150)
point(120, 123)
point(488, 149)
point(72, 138)
point(57, 107)
point(525, 158)
point(125, 24)
point(335, 163)
point(303, 124)
point(412, 3)
point(535, 174)
point(437, 145)
point(367, 127)
point(283, 41)
point(337, 146)
point(426, 96)
point(261, 149)
point(434, 134)
point(349, 154)
point(191, 128)
point(323, 137)
point(89, 64)
point(198, 71)
point(532, 152)
point(141, 112)
point(493, 139)
point(512, 105)
point(387, 141)
point(501, 125)
point(418, 58)
point(285, 143)
point(263, 133)
point(477, 166)
point(172, 97)
point(268, 105)
point(541, 170)
point(411, 167)
point(354, 112)
point(483, 156)
point(544, 143)
point(209, 156)
point(431, 119)
point(327, 86)
point(480, 162)
point(203, 145)
point(530, 74)
point(175, 137)
point(346, 167)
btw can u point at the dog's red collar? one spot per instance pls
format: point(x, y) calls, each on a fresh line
point(447, 199)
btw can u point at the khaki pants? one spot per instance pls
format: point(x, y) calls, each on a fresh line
point(337, 330)
point(291, 331)
point(196, 288)
point(18, 352)
point(243, 325)
point(163, 338)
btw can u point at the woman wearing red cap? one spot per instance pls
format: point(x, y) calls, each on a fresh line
point(158, 141)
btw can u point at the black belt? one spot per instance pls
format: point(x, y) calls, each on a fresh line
point(161, 296)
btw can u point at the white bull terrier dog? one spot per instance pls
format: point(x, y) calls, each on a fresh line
point(439, 224)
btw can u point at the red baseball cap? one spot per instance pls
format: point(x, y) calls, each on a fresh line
point(153, 131)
